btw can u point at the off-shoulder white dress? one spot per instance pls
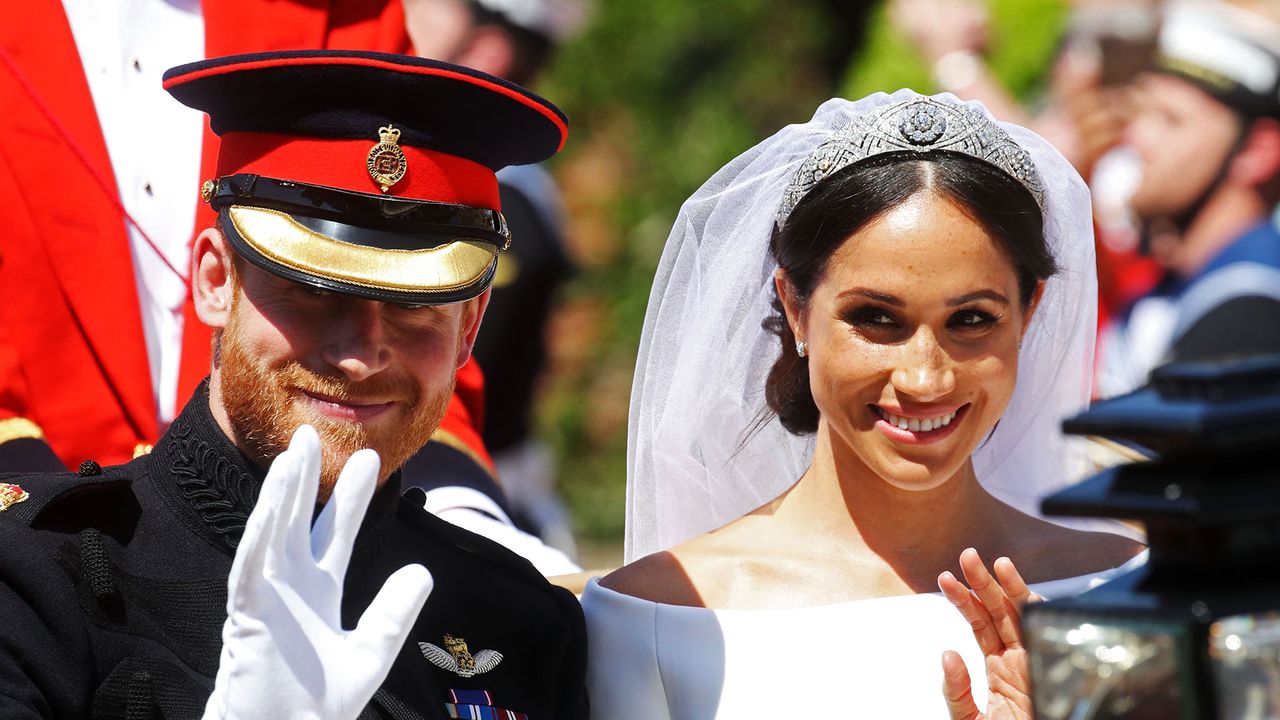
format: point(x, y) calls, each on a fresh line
point(877, 658)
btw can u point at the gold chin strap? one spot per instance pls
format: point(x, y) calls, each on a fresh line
point(284, 240)
point(19, 428)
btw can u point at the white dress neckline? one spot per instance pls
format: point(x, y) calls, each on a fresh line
point(869, 657)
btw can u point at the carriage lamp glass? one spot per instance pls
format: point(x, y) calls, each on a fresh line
point(1244, 656)
point(1093, 667)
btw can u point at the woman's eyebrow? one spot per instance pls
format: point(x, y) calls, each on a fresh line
point(979, 295)
point(872, 295)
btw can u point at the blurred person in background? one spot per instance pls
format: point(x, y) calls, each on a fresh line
point(1083, 113)
point(1208, 137)
point(515, 40)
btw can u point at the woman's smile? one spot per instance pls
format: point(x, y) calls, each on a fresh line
point(920, 427)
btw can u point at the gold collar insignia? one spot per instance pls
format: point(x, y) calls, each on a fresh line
point(11, 495)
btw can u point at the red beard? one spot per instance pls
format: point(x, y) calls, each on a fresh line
point(266, 404)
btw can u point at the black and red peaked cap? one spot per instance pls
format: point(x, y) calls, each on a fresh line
point(366, 173)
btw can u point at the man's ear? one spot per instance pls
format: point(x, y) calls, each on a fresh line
point(469, 325)
point(212, 278)
point(1257, 162)
point(791, 305)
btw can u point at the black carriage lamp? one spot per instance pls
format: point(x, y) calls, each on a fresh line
point(1195, 633)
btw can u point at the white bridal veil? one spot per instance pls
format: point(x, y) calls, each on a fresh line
point(695, 457)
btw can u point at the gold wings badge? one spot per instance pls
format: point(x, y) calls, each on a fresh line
point(456, 658)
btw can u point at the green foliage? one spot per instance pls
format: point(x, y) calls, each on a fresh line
point(1024, 36)
point(690, 85)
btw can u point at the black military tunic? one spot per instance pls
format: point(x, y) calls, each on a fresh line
point(113, 595)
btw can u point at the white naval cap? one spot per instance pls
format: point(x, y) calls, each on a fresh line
point(1230, 52)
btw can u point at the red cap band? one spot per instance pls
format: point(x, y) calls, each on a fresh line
point(341, 163)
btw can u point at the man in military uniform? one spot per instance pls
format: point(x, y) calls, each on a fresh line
point(1208, 137)
point(346, 277)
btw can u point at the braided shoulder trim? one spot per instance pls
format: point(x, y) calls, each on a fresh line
point(19, 428)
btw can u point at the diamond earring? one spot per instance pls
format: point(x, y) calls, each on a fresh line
point(800, 348)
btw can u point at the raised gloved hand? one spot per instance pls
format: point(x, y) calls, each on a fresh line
point(284, 651)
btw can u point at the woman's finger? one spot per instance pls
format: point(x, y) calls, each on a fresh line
point(974, 613)
point(957, 688)
point(1011, 580)
point(1004, 616)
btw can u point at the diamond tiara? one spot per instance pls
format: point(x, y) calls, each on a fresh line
point(921, 125)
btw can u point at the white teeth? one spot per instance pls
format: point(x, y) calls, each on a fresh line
point(917, 424)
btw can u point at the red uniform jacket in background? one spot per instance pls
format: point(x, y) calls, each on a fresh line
point(73, 359)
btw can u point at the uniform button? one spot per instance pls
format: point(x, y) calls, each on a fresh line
point(147, 188)
point(135, 64)
point(89, 468)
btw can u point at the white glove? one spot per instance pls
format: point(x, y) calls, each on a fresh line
point(284, 652)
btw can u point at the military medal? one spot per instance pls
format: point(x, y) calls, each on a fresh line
point(11, 495)
point(386, 161)
point(456, 658)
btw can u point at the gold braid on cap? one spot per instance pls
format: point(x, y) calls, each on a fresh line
point(921, 126)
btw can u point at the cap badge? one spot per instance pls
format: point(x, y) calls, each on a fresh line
point(455, 657)
point(11, 495)
point(386, 161)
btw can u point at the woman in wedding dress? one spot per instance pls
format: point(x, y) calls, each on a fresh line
point(860, 345)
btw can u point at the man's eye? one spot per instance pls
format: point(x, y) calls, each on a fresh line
point(318, 292)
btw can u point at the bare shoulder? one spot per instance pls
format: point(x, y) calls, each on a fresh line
point(673, 577)
point(659, 578)
point(1066, 552)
